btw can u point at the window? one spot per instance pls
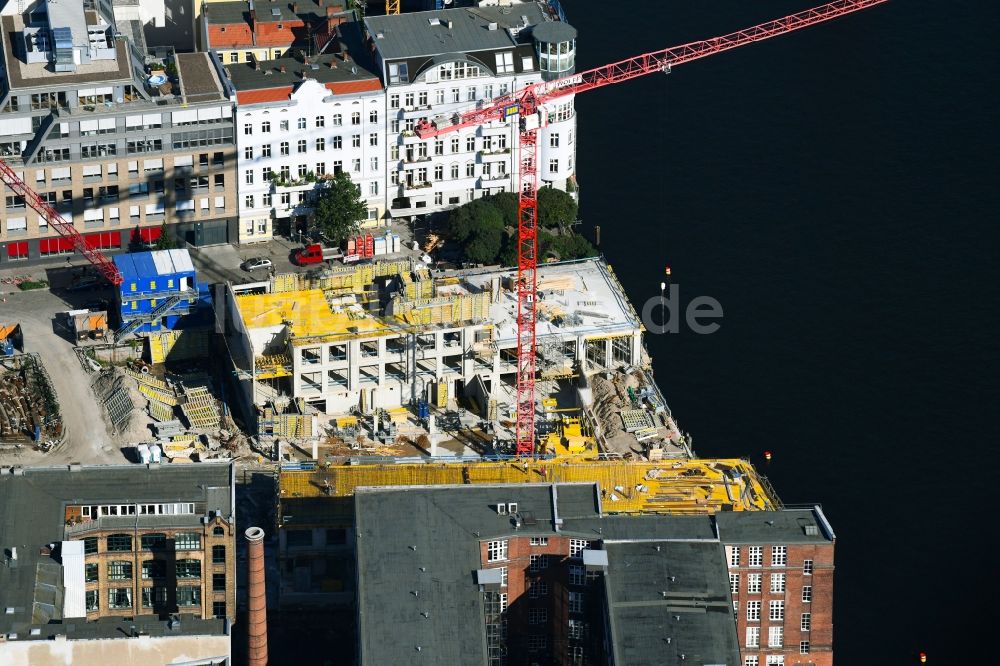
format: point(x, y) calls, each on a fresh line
point(187, 541)
point(321, 144)
point(538, 589)
point(755, 557)
point(265, 127)
point(90, 572)
point(248, 177)
point(154, 596)
point(734, 557)
point(576, 602)
point(302, 145)
point(537, 562)
point(777, 583)
point(188, 568)
point(753, 611)
point(120, 597)
point(776, 611)
point(118, 543)
point(337, 120)
point(337, 142)
point(505, 63)
point(219, 582)
point(92, 604)
point(539, 541)
point(399, 73)
point(753, 636)
point(355, 140)
point(470, 169)
point(807, 567)
point(456, 95)
point(284, 147)
point(301, 123)
point(503, 576)
point(779, 556)
point(776, 660)
point(394, 101)
point(775, 636)
point(153, 541)
point(219, 608)
point(218, 530)
point(753, 583)
point(248, 129)
point(188, 596)
point(496, 551)
point(577, 575)
point(248, 201)
point(439, 96)
point(302, 171)
point(734, 583)
point(536, 643)
point(283, 125)
point(218, 554)
point(537, 616)
point(119, 570)
point(807, 593)
point(752, 660)
point(736, 610)
point(470, 94)
point(248, 153)
point(265, 150)
point(554, 140)
point(803, 647)
point(553, 165)
point(373, 139)
point(90, 546)
point(805, 623)
point(154, 569)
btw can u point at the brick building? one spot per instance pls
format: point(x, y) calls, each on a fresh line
point(98, 554)
point(781, 579)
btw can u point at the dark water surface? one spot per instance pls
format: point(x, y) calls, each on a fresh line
point(835, 190)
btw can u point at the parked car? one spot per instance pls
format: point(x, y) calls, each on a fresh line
point(256, 263)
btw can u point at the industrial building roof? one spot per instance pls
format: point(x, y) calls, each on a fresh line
point(666, 575)
point(143, 265)
point(669, 603)
point(429, 33)
point(807, 525)
point(427, 539)
point(32, 511)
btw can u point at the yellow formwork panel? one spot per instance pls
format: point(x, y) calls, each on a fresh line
point(306, 313)
point(678, 486)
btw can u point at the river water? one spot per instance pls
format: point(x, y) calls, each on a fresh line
point(835, 191)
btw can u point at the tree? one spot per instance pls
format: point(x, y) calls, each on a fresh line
point(555, 208)
point(166, 240)
point(339, 209)
point(483, 244)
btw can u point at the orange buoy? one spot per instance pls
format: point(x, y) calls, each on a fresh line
point(667, 271)
point(923, 657)
point(767, 455)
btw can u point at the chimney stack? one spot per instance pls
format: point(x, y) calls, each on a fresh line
point(257, 598)
point(295, 8)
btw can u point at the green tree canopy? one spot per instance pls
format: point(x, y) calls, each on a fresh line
point(555, 208)
point(166, 240)
point(339, 208)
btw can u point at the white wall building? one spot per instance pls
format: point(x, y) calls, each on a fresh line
point(297, 122)
point(441, 62)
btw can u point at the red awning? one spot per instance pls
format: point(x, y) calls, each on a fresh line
point(104, 240)
point(147, 234)
point(55, 245)
point(17, 250)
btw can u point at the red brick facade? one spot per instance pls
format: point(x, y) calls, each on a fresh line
point(804, 593)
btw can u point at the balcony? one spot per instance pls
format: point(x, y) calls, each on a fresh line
point(409, 137)
point(413, 189)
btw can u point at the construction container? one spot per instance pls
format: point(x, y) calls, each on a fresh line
point(155, 452)
point(157, 290)
point(379, 245)
point(143, 451)
point(86, 324)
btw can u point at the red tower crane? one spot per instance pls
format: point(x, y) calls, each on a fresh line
point(59, 223)
point(526, 103)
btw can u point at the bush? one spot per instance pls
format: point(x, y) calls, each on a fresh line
point(28, 285)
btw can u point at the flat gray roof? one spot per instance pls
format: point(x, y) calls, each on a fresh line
point(32, 515)
point(807, 525)
point(676, 590)
point(199, 80)
point(400, 530)
point(427, 33)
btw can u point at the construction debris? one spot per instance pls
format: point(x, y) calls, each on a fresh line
point(109, 387)
point(29, 409)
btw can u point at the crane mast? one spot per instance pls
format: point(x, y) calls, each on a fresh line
point(527, 103)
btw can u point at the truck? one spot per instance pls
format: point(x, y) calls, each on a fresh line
point(315, 254)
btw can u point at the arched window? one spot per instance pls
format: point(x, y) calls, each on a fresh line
point(219, 531)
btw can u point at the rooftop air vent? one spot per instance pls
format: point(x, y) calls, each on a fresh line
point(275, 11)
point(491, 26)
point(434, 21)
point(811, 530)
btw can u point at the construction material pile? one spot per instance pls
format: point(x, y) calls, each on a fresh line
point(110, 388)
point(167, 399)
point(28, 405)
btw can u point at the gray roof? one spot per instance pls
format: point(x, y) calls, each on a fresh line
point(32, 513)
point(807, 525)
point(694, 610)
point(400, 530)
point(625, 528)
point(415, 34)
point(239, 11)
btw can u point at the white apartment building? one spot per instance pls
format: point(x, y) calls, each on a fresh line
point(297, 123)
point(442, 62)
